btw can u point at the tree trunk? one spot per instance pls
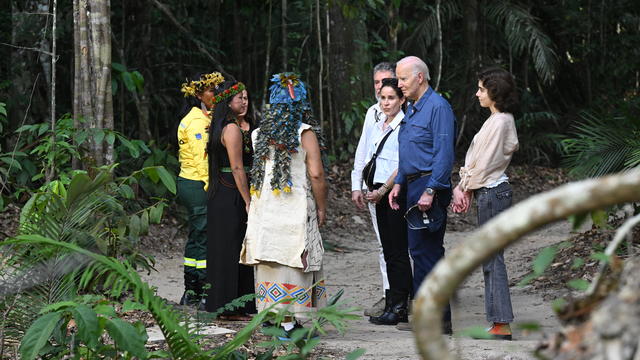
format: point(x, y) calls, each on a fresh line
point(285, 35)
point(348, 68)
point(93, 100)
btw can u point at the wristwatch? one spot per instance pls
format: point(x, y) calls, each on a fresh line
point(429, 191)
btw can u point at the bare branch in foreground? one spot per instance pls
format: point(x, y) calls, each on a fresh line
point(501, 231)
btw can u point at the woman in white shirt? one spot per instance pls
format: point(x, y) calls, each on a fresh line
point(391, 224)
point(483, 176)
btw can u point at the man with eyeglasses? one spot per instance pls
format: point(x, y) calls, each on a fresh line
point(374, 115)
point(426, 154)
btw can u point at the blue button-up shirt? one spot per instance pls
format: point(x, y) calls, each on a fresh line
point(426, 140)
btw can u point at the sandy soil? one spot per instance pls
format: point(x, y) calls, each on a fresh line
point(356, 271)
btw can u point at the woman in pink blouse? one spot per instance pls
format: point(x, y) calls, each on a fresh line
point(483, 176)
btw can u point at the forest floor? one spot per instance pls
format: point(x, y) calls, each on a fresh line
point(351, 264)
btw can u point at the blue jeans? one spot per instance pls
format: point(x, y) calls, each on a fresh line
point(497, 300)
point(426, 248)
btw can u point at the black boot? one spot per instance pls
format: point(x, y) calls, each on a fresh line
point(397, 313)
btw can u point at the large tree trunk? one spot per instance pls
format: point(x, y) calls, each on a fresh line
point(348, 69)
point(92, 98)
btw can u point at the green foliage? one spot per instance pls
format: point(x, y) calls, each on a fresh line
point(604, 143)
point(540, 264)
point(55, 331)
point(133, 81)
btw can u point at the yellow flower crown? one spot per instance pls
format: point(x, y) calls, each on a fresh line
point(207, 81)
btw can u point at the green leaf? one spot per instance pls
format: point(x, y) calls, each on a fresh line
point(134, 225)
point(577, 263)
point(58, 306)
point(475, 332)
point(155, 213)
point(355, 354)
point(38, 334)
point(99, 135)
point(527, 279)
point(104, 309)
point(118, 67)
point(80, 184)
point(544, 259)
point(152, 174)
point(138, 79)
point(111, 138)
point(132, 305)
point(558, 304)
point(599, 218)
point(126, 337)
point(577, 220)
point(44, 127)
point(133, 150)
point(114, 86)
point(144, 223)
point(578, 284)
point(126, 191)
point(11, 162)
point(168, 180)
point(88, 328)
point(529, 326)
point(600, 256)
point(128, 81)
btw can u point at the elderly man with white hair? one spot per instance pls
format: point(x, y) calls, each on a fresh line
point(426, 154)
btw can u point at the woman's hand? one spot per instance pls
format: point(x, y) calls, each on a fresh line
point(374, 196)
point(358, 199)
point(247, 205)
point(322, 216)
point(461, 200)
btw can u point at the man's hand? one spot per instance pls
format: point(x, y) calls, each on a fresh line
point(425, 201)
point(358, 199)
point(393, 197)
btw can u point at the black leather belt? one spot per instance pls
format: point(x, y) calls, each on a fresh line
point(413, 177)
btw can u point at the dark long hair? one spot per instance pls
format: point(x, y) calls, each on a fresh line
point(222, 116)
point(501, 88)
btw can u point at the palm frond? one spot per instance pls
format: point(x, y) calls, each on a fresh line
point(601, 145)
point(425, 31)
point(523, 33)
point(120, 277)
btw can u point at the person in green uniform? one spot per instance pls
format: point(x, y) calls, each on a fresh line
point(192, 182)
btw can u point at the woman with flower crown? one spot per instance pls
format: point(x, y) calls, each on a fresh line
point(230, 155)
point(288, 204)
point(194, 176)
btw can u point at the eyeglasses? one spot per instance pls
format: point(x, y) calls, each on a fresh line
point(416, 219)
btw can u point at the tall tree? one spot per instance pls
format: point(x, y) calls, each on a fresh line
point(92, 97)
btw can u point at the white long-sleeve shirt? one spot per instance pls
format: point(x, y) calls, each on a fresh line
point(374, 115)
point(387, 160)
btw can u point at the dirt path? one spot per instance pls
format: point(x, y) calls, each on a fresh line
point(356, 271)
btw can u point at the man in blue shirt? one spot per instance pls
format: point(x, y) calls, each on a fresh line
point(426, 154)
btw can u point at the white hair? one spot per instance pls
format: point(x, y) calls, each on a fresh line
point(417, 65)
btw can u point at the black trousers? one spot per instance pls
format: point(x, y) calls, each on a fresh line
point(226, 225)
point(393, 235)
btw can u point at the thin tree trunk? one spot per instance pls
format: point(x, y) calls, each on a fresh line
point(267, 66)
point(285, 35)
point(93, 99)
point(328, 82)
point(321, 58)
point(54, 59)
point(439, 43)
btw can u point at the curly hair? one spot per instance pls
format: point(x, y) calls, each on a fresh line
point(501, 88)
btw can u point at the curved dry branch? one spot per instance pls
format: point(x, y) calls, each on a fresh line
point(500, 232)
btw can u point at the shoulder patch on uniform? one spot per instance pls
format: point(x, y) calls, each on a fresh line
point(199, 136)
